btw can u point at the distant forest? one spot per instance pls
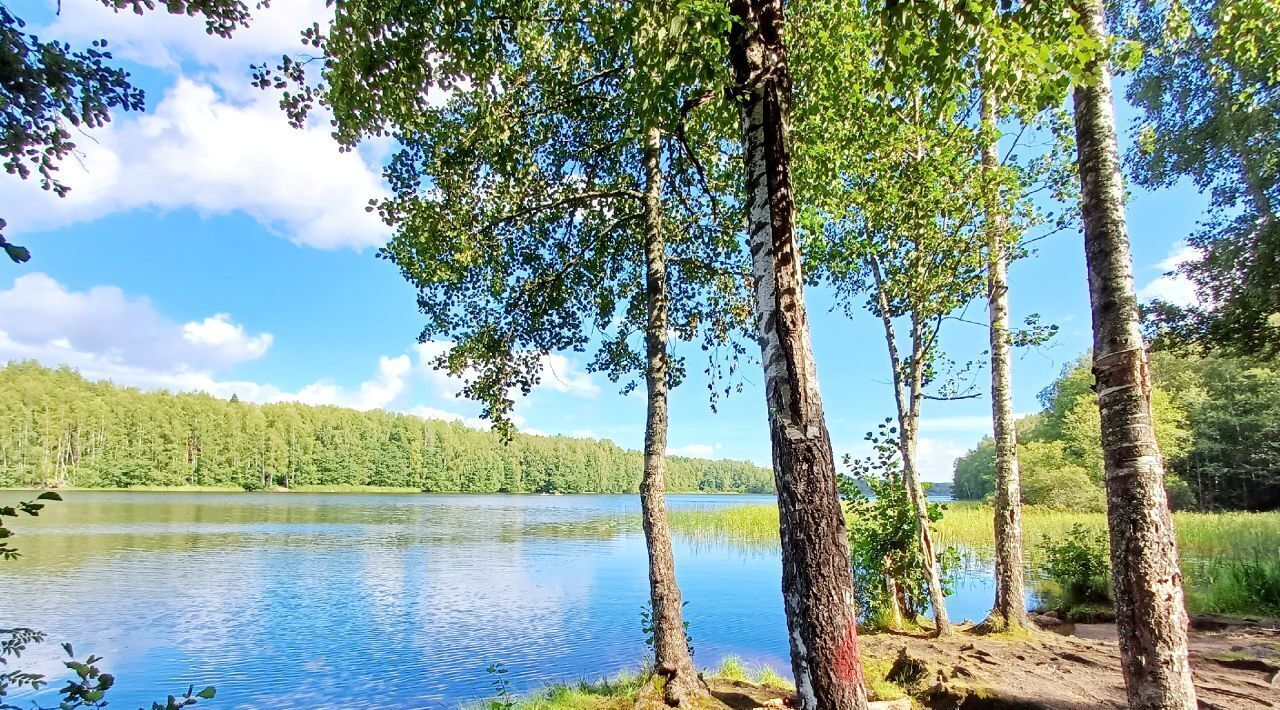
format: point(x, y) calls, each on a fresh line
point(59, 429)
point(1217, 419)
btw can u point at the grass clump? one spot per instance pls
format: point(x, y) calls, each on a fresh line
point(732, 668)
point(617, 693)
point(1238, 587)
point(875, 671)
point(770, 678)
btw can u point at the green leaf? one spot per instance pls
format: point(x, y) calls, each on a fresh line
point(18, 254)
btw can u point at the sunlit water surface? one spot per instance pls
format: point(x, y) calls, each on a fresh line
point(383, 601)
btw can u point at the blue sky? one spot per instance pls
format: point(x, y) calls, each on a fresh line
point(206, 245)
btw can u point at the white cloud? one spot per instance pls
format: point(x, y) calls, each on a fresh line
point(1173, 287)
point(201, 150)
point(219, 333)
point(562, 375)
point(697, 451)
point(936, 458)
point(385, 388)
point(102, 327)
point(166, 41)
point(557, 373)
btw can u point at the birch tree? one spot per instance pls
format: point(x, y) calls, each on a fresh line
point(1150, 615)
point(817, 582)
point(1019, 83)
point(891, 223)
point(555, 195)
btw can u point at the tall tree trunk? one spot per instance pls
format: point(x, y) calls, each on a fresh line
point(1150, 616)
point(670, 647)
point(910, 432)
point(1010, 608)
point(817, 579)
point(906, 397)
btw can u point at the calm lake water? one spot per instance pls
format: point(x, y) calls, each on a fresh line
point(396, 601)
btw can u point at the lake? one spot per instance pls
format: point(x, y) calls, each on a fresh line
point(347, 600)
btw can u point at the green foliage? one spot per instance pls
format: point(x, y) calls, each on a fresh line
point(519, 201)
point(1238, 586)
point(1232, 460)
point(646, 628)
point(1077, 563)
point(1051, 479)
point(1060, 448)
point(502, 698)
point(883, 541)
point(1209, 93)
point(57, 429)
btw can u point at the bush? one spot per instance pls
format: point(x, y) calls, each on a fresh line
point(1078, 565)
point(1051, 480)
point(882, 537)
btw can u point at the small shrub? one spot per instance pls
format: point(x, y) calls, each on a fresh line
point(883, 541)
point(1078, 565)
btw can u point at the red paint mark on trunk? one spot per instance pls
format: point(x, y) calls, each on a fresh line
point(848, 660)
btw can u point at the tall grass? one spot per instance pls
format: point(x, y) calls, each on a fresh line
point(1231, 560)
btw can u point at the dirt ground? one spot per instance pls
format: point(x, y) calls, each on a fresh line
point(1077, 667)
point(1236, 666)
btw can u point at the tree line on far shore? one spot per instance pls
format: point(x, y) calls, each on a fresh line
point(1217, 418)
point(62, 430)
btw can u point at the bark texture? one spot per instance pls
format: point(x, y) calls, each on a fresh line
point(1010, 609)
point(670, 647)
point(1150, 615)
point(817, 580)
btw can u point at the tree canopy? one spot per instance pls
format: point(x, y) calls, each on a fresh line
point(61, 430)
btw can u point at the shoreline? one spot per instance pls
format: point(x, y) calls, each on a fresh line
point(390, 490)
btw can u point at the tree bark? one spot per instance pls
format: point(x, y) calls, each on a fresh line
point(1150, 616)
point(670, 646)
point(910, 432)
point(817, 579)
point(1010, 608)
point(907, 396)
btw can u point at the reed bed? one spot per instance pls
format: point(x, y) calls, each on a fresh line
point(1231, 560)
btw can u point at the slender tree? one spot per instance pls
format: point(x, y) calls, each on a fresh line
point(670, 647)
point(1010, 608)
point(535, 196)
point(817, 582)
point(1150, 616)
